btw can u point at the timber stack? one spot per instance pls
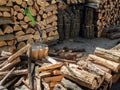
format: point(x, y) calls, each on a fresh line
point(64, 69)
point(89, 19)
point(107, 13)
point(16, 29)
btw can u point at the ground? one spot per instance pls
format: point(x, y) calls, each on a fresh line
point(88, 44)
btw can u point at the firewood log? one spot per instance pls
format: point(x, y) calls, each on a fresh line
point(19, 2)
point(3, 2)
point(20, 45)
point(8, 29)
point(1, 32)
point(107, 54)
point(30, 31)
point(10, 65)
point(53, 78)
point(2, 43)
point(2, 8)
point(7, 37)
point(19, 82)
point(54, 66)
point(26, 19)
point(15, 72)
point(81, 77)
point(17, 27)
point(5, 21)
point(52, 84)
point(109, 64)
point(18, 53)
point(68, 84)
point(50, 7)
point(19, 33)
point(16, 7)
point(11, 42)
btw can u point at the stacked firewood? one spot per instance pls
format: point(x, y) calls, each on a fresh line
point(107, 12)
point(74, 1)
point(69, 21)
point(16, 27)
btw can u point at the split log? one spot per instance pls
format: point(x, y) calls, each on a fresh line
point(109, 64)
point(11, 42)
point(7, 48)
point(8, 29)
point(3, 2)
point(3, 8)
point(57, 72)
point(64, 60)
point(70, 85)
point(15, 72)
point(30, 2)
point(16, 8)
point(53, 79)
point(49, 67)
point(19, 2)
point(51, 19)
point(10, 65)
point(25, 37)
point(38, 84)
point(19, 82)
point(6, 14)
point(18, 53)
point(20, 45)
point(24, 26)
point(17, 27)
point(32, 11)
point(1, 32)
point(50, 8)
point(30, 31)
point(5, 21)
point(20, 16)
point(52, 84)
point(2, 43)
point(7, 37)
point(80, 77)
point(19, 33)
point(107, 54)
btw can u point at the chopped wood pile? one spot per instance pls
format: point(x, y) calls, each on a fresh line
point(16, 29)
point(103, 14)
point(62, 71)
point(90, 19)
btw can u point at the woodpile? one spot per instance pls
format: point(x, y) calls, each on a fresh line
point(74, 1)
point(16, 29)
point(107, 13)
point(64, 70)
point(89, 20)
point(69, 20)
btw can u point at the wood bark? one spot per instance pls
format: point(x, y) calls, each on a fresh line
point(109, 64)
point(107, 54)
